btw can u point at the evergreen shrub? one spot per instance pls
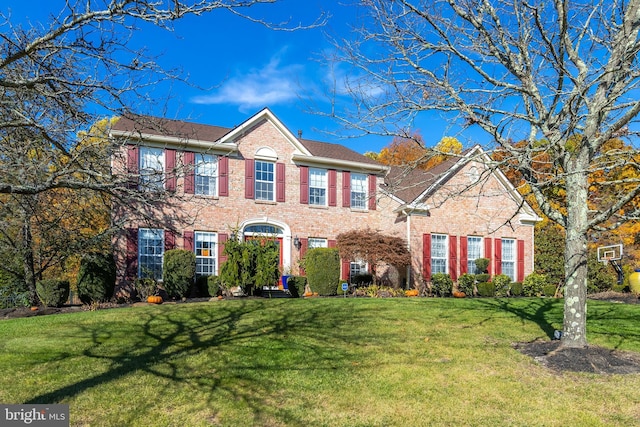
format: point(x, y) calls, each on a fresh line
point(486, 289)
point(322, 266)
point(441, 284)
point(96, 278)
point(53, 292)
point(178, 272)
point(466, 282)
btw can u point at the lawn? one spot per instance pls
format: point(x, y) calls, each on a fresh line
point(317, 362)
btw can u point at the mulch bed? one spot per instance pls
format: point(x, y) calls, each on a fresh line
point(550, 354)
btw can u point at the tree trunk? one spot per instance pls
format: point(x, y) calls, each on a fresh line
point(575, 262)
point(29, 268)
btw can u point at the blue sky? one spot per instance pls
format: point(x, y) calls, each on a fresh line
point(240, 67)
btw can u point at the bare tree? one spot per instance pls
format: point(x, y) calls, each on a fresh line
point(559, 77)
point(54, 77)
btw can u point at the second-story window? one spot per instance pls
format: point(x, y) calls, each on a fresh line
point(265, 180)
point(152, 168)
point(358, 191)
point(317, 187)
point(206, 174)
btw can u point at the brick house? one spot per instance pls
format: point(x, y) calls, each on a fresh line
point(260, 178)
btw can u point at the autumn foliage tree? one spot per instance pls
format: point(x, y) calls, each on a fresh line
point(404, 151)
point(373, 247)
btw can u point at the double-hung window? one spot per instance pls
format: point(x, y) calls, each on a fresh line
point(438, 253)
point(358, 191)
point(357, 268)
point(509, 258)
point(474, 251)
point(265, 180)
point(206, 253)
point(150, 252)
point(314, 242)
point(318, 187)
point(152, 168)
point(206, 174)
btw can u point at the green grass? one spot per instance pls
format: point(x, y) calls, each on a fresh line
point(317, 362)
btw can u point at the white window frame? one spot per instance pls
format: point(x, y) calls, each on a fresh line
point(316, 242)
point(265, 180)
point(150, 252)
point(205, 246)
point(359, 191)
point(508, 258)
point(439, 253)
point(206, 174)
point(151, 168)
point(474, 251)
point(318, 185)
point(356, 268)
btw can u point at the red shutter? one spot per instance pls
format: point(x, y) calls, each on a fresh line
point(304, 185)
point(345, 269)
point(346, 189)
point(131, 262)
point(426, 256)
point(187, 240)
point(222, 258)
point(520, 258)
point(332, 187)
point(487, 252)
point(170, 169)
point(497, 255)
point(132, 165)
point(332, 243)
point(463, 255)
point(169, 240)
point(372, 192)
point(453, 258)
point(304, 245)
point(249, 171)
point(189, 177)
point(223, 176)
point(280, 179)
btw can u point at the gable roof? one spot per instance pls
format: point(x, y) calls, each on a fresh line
point(411, 186)
point(178, 132)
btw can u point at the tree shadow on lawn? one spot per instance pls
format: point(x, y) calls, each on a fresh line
point(553, 355)
point(286, 337)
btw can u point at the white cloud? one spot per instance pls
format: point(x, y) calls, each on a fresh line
point(271, 85)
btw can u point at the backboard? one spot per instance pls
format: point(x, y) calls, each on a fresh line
point(609, 253)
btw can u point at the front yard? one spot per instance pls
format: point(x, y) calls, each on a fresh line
point(317, 362)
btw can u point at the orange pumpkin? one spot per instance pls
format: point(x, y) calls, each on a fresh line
point(459, 294)
point(308, 294)
point(154, 299)
point(34, 308)
point(411, 293)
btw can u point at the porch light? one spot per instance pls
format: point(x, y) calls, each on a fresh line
point(297, 243)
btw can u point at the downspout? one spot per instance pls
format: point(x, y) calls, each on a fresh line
point(408, 216)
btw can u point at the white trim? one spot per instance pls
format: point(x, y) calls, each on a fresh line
point(161, 141)
point(309, 160)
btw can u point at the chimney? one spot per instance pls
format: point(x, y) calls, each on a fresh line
point(299, 133)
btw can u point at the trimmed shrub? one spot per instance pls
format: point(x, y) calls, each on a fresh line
point(486, 289)
point(533, 284)
point(441, 284)
point(178, 271)
point(364, 279)
point(482, 264)
point(53, 292)
point(466, 282)
point(502, 284)
point(549, 290)
point(96, 278)
point(322, 266)
point(483, 277)
point(516, 289)
point(214, 286)
point(296, 285)
point(13, 291)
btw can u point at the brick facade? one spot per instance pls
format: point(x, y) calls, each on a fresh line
point(235, 208)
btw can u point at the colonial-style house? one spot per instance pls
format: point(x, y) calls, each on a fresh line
point(259, 178)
